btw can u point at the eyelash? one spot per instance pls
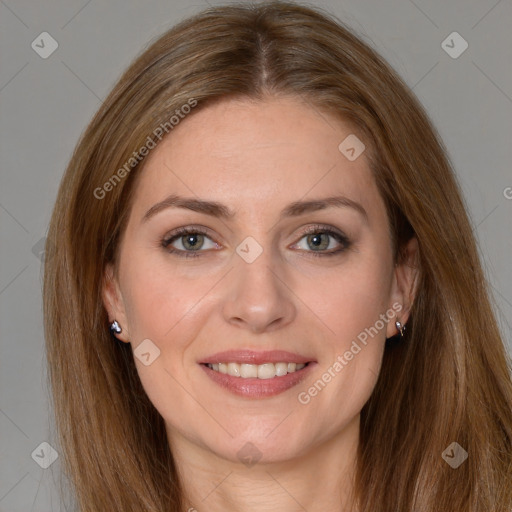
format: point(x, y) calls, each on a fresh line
point(315, 229)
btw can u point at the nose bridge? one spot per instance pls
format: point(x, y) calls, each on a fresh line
point(257, 270)
point(258, 298)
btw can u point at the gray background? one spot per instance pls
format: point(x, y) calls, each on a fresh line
point(46, 104)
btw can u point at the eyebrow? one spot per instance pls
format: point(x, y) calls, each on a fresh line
point(219, 210)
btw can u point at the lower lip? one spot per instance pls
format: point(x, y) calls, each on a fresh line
point(258, 388)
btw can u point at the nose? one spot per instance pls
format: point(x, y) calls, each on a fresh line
point(259, 298)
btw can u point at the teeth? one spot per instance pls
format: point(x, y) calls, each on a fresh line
point(260, 371)
point(248, 370)
point(266, 371)
point(234, 369)
point(281, 369)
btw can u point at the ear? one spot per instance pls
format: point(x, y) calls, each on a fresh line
point(113, 302)
point(404, 285)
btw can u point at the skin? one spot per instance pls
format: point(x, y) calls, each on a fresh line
point(256, 157)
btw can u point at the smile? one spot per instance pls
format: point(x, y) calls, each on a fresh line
point(257, 374)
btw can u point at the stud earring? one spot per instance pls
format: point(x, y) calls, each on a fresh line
point(400, 328)
point(115, 328)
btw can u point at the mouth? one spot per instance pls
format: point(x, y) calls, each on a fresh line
point(257, 374)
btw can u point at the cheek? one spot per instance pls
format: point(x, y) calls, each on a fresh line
point(167, 309)
point(350, 298)
point(354, 308)
point(160, 302)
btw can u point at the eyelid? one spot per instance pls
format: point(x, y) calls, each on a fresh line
point(324, 228)
point(335, 233)
point(177, 233)
point(184, 230)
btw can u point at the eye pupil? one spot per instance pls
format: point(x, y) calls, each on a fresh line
point(192, 240)
point(317, 240)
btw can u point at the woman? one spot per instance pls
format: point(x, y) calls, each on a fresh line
point(266, 293)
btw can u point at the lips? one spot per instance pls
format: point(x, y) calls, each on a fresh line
point(264, 383)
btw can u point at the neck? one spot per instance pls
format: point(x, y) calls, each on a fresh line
point(320, 479)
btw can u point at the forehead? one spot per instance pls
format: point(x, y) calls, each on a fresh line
point(256, 156)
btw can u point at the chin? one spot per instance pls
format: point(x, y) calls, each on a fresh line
point(263, 444)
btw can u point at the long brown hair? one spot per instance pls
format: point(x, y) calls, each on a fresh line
point(448, 382)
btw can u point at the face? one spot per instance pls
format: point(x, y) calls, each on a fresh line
point(284, 279)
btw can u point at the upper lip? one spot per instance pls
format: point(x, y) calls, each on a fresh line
point(256, 357)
